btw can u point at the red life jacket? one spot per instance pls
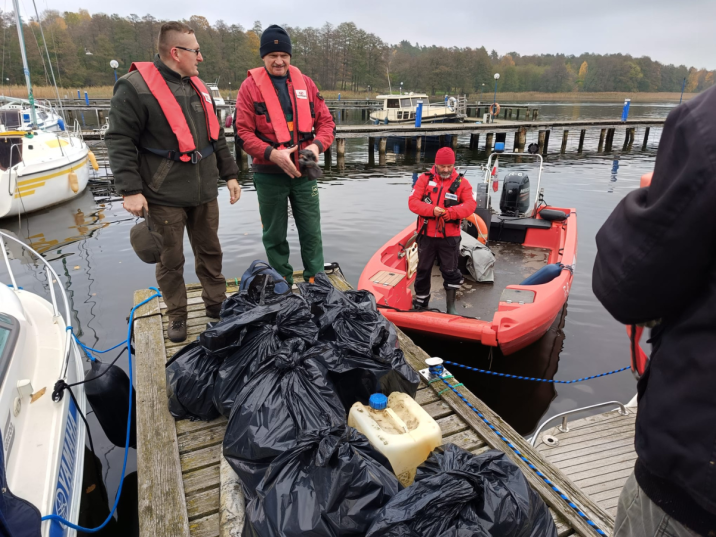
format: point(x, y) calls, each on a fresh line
point(174, 114)
point(302, 120)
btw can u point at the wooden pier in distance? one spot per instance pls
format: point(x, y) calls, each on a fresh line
point(181, 491)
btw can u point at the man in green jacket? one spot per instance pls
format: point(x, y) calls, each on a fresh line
point(168, 153)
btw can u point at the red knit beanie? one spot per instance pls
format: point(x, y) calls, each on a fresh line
point(445, 156)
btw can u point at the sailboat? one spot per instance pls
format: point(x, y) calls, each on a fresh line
point(39, 168)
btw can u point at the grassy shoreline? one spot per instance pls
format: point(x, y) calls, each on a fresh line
point(99, 92)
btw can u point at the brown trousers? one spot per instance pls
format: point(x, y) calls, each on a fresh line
point(202, 224)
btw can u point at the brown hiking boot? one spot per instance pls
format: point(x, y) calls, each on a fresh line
point(176, 331)
point(213, 311)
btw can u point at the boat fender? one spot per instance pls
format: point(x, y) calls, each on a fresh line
point(93, 160)
point(229, 121)
point(61, 124)
point(552, 215)
point(107, 390)
point(74, 182)
point(544, 275)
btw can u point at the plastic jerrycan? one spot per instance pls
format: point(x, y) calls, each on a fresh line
point(400, 429)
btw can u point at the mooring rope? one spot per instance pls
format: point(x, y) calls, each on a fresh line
point(507, 375)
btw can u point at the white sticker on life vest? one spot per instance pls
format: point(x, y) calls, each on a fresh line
point(449, 196)
point(207, 97)
point(301, 94)
point(432, 183)
point(412, 192)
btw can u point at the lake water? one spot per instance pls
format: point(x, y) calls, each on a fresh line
point(362, 206)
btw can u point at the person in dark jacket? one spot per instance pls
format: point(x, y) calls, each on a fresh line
point(656, 264)
point(441, 198)
point(178, 189)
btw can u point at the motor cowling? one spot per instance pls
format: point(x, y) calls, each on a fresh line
point(515, 199)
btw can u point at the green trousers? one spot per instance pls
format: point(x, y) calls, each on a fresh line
point(274, 191)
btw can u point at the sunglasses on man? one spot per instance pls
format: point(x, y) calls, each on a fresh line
point(194, 50)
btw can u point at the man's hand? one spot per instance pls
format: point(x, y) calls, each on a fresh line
point(135, 203)
point(438, 211)
point(234, 190)
point(314, 149)
point(282, 158)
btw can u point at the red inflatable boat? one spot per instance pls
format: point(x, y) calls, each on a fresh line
point(509, 313)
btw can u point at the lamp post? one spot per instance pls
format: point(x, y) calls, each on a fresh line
point(114, 64)
point(479, 93)
point(494, 101)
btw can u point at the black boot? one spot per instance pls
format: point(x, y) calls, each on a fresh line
point(421, 303)
point(450, 299)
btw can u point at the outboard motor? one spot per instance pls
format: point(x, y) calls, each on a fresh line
point(515, 198)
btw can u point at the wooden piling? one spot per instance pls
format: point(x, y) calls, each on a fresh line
point(341, 147)
point(488, 142)
point(540, 140)
point(535, 115)
point(520, 139)
point(546, 142)
point(518, 114)
point(328, 156)
point(610, 140)
point(632, 136)
point(408, 145)
point(382, 146)
point(646, 138)
point(474, 140)
point(565, 137)
point(418, 145)
point(454, 142)
point(441, 140)
point(602, 133)
point(582, 134)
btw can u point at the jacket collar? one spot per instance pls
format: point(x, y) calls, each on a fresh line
point(166, 72)
point(435, 173)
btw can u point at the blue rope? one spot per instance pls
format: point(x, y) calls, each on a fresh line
point(129, 422)
point(88, 349)
point(438, 370)
point(536, 379)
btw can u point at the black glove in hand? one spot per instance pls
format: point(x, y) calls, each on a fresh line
point(308, 164)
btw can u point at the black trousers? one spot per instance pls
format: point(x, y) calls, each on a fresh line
point(447, 250)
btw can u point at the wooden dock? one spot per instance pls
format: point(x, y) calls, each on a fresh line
point(596, 453)
point(179, 462)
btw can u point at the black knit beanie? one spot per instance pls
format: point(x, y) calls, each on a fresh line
point(275, 39)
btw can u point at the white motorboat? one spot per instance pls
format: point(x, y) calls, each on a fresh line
point(402, 109)
point(16, 115)
point(43, 439)
point(222, 109)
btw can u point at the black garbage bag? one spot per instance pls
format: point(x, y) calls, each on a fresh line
point(458, 494)
point(255, 344)
point(190, 383)
point(332, 483)
point(261, 291)
point(315, 293)
point(288, 395)
point(356, 376)
point(290, 313)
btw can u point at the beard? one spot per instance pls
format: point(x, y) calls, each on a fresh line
point(445, 175)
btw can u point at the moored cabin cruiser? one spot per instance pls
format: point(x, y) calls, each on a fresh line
point(402, 109)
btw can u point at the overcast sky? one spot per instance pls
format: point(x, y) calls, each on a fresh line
point(670, 31)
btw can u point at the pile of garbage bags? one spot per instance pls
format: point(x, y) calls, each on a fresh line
point(285, 369)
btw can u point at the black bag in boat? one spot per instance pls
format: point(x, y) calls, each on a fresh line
point(290, 313)
point(458, 494)
point(288, 395)
point(331, 483)
point(190, 383)
point(356, 376)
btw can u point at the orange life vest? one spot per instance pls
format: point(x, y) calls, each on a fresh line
point(302, 120)
point(174, 114)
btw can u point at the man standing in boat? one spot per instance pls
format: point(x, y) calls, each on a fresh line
point(672, 490)
point(168, 152)
point(441, 198)
point(279, 113)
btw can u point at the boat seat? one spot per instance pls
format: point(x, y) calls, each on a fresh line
point(512, 229)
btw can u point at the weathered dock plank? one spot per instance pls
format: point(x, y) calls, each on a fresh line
point(162, 507)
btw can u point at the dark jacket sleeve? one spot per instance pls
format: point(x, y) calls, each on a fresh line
point(127, 119)
point(655, 248)
point(224, 161)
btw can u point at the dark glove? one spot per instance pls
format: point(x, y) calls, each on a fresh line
point(308, 164)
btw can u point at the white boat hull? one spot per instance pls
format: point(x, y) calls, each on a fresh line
point(37, 183)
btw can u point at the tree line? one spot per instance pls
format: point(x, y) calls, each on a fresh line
point(342, 57)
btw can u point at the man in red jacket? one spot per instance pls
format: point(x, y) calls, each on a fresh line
point(441, 198)
point(280, 112)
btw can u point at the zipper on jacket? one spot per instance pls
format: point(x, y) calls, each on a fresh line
point(195, 134)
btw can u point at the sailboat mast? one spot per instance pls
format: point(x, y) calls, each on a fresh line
point(25, 66)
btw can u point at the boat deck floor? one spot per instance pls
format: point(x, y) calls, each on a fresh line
point(596, 453)
point(513, 263)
